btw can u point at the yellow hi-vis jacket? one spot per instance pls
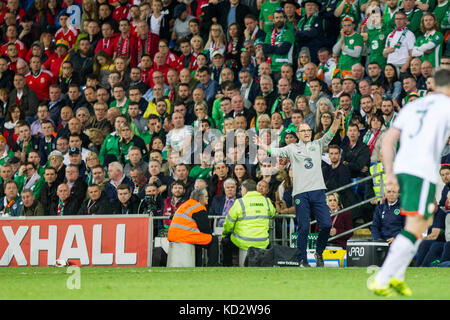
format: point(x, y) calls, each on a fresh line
point(248, 221)
point(379, 187)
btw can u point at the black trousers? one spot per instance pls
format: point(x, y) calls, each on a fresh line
point(213, 253)
point(228, 248)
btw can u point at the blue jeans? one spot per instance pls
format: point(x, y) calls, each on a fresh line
point(307, 204)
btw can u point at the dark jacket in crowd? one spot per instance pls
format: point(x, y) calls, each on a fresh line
point(357, 157)
point(101, 206)
point(134, 206)
point(71, 208)
point(36, 209)
point(28, 102)
point(48, 196)
point(387, 221)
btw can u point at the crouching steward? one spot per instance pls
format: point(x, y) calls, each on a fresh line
point(190, 224)
point(247, 223)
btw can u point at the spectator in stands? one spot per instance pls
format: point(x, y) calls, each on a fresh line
point(11, 204)
point(24, 97)
point(48, 191)
point(56, 160)
point(76, 183)
point(387, 220)
point(399, 51)
point(31, 206)
point(172, 203)
point(128, 203)
point(66, 205)
point(117, 177)
point(341, 222)
point(221, 204)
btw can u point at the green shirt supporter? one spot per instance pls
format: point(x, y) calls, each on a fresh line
point(445, 23)
point(198, 172)
point(247, 222)
point(388, 17)
point(414, 17)
point(275, 39)
point(266, 14)
point(346, 60)
point(109, 146)
point(351, 8)
point(217, 114)
point(351, 51)
point(123, 108)
point(441, 10)
point(5, 156)
point(376, 42)
point(435, 40)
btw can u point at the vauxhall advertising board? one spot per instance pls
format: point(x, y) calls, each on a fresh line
point(83, 241)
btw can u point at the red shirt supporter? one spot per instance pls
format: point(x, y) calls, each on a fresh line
point(147, 41)
point(158, 65)
point(40, 82)
point(109, 41)
point(13, 6)
point(146, 68)
point(171, 204)
point(170, 58)
point(126, 43)
point(67, 31)
point(21, 49)
point(54, 62)
point(122, 11)
point(70, 35)
point(187, 59)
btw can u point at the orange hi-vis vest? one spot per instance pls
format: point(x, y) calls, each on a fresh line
point(183, 227)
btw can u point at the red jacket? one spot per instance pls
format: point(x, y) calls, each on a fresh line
point(342, 222)
point(169, 209)
point(192, 63)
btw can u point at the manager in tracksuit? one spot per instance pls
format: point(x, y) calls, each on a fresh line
point(309, 186)
point(387, 220)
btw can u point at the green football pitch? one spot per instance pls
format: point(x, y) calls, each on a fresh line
point(209, 283)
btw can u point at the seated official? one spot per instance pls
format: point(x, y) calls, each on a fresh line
point(387, 220)
point(66, 204)
point(11, 203)
point(31, 206)
point(128, 203)
point(190, 224)
point(97, 202)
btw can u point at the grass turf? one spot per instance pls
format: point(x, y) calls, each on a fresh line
point(211, 283)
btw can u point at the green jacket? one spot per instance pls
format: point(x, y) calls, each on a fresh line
point(248, 221)
point(109, 146)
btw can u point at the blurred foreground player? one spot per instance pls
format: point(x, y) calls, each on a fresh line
point(422, 127)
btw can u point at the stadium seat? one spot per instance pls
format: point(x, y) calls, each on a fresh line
point(181, 255)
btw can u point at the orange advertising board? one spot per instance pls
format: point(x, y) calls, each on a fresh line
point(111, 240)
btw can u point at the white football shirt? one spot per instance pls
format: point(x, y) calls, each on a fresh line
point(425, 128)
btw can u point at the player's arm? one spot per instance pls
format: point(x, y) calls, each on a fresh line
point(389, 145)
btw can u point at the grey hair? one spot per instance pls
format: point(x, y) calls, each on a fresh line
point(230, 180)
point(249, 185)
point(199, 194)
point(117, 165)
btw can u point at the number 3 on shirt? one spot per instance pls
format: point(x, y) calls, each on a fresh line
point(308, 163)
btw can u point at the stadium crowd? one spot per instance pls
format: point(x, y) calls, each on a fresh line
point(127, 106)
